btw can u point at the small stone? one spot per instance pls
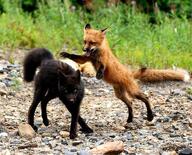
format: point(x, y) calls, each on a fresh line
point(120, 128)
point(88, 92)
point(174, 135)
point(68, 153)
point(64, 142)
point(190, 124)
point(3, 89)
point(74, 149)
point(185, 151)
point(6, 152)
point(178, 92)
point(112, 135)
point(64, 134)
point(3, 134)
point(83, 152)
point(169, 153)
point(93, 139)
point(25, 130)
point(189, 97)
point(166, 119)
point(75, 143)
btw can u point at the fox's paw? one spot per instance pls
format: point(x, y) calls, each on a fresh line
point(35, 128)
point(73, 135)
point(150, 116)
point(86, 130)
point(65, 54)
point(99, 75)
point(46, 122)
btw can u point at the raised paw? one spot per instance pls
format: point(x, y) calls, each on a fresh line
point(65, 54)
point(99, 75)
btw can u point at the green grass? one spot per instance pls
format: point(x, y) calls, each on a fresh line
point(133, 40)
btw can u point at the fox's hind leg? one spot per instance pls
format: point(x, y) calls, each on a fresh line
point(44, 103)
point(121, 93)
point(84, 127)
point(38, 96)
point(143, 97)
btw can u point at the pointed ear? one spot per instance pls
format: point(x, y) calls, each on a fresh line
point(87, 26)
point(104, 30)
point(78, 75)
point(60, 74)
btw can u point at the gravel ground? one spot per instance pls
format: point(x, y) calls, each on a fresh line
point(171, 129)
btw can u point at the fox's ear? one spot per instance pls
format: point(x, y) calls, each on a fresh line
point(87, 26)
point(60, 74)
point(104, 30)
point(78, 75)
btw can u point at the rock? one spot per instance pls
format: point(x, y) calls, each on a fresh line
point(178, 92)
point(189, 97)
point(120, 128)
point(26, 131)
point(3, 89)
point(169, 153)
point(64, 142)
point(68, 153)
point(73, 149)
point(64, 134)
point(1, 69)
point(3, 92)
point(115, 147)
point(88, 92)
point(185, 151)
point(3, 134)
point(102, 90)
point(75, 143)
point(6, 152)
point(83, 152)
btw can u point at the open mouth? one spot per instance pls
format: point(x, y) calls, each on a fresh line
point(90, 52)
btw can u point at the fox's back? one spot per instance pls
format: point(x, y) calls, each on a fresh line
point(48, 73)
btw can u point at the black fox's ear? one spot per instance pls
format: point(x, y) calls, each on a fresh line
point(104, 30)
point(61, 74)
point(78, 75)
point(87, 26)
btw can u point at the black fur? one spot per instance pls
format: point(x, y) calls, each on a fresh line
point(33, 60)
point(55, 79)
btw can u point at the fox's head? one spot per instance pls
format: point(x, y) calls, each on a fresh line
point(93, 39)
point(69, 86)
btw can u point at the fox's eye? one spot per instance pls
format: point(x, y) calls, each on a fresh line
point(92, 42)
point(63, 89)
point(85, 42)
point(75, 90)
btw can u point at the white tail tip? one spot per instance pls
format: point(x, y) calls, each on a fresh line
point(186, 77)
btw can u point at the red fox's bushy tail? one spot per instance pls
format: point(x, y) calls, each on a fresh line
point(155, 75)
point(33, 60)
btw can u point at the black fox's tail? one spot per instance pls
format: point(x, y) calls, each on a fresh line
point(33, 60)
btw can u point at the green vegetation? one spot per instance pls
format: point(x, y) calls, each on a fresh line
point(132, 38)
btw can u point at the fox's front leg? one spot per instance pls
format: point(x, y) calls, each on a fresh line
point(100, 72)
point(77, 58)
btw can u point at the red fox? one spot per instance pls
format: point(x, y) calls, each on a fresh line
point(108, 68)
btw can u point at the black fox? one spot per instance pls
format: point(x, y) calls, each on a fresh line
point(54, 79)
